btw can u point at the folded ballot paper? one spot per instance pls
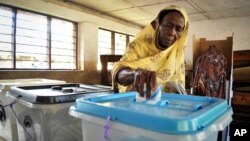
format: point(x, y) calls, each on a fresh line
point(154, 98)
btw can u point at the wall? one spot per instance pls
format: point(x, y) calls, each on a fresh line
point(87, 40)
point(90, 77)
point(219, 30)
point(210, 29)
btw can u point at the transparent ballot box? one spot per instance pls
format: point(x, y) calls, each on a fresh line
point(174, 117)
point(8, 129)
point(42, 111)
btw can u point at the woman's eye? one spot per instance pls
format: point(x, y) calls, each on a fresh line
point(167, 25)
point(178, 29)
point(171, 26)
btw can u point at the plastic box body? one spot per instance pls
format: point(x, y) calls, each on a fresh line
point(43, 110)
point(174, 117)
point(8, 129)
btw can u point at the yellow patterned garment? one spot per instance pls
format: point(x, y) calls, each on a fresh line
point(143, 53)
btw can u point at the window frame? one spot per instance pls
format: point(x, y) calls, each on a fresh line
point(113, 39)
point(49, 19)
point(112, 45)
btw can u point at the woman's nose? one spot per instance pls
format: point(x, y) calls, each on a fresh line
point(171, 31)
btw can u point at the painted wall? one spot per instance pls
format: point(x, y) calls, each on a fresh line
point(88, 23)
point(88, 77)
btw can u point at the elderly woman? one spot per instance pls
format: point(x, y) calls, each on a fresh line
point(155, 56)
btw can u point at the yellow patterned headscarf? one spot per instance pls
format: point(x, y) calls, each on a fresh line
point(143, 53)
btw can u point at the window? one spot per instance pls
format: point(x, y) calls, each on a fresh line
point(120, 43)
point(34, 41)
point(31, 41)
point(104, 42)
point(6, 38)
point(110, 42)
point(63, 44)
point(131, 38)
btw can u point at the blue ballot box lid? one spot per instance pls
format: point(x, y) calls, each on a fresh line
point(173, 114)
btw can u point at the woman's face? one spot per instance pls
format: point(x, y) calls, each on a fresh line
point(170, 29)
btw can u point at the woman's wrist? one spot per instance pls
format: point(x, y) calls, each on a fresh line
point(125, 76)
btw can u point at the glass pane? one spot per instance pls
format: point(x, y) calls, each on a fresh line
point(56, 44)
point(32, 65)
point(6, 64)
point(63, 59)
point(5, 29)
point(31, 49)
point(119, 52)
point(5, 12)
point(104, 33)
point(5, 46)
point(110, 65)
point(104, 39)
point(33, 57)
point(104, 45)
point(120, 42)
point(33, 21)
point(5, 38)
point(68, 39)
point(104, 42)
point(31, 26)
point(104, 51)
point(63, 51)
point(6, 22)
point(31, 33)
point(131, 38)
point(6, 56)
point(68, 28)
point(31, 41)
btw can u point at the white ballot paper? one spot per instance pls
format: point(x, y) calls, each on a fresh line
point(154, 98)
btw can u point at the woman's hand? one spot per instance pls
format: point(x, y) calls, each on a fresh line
point(144, 82)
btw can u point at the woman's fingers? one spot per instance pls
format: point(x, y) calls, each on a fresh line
point(153, 81)
point(142, 82)
point(145, 82)
point(148, 84)
point(137, 81)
